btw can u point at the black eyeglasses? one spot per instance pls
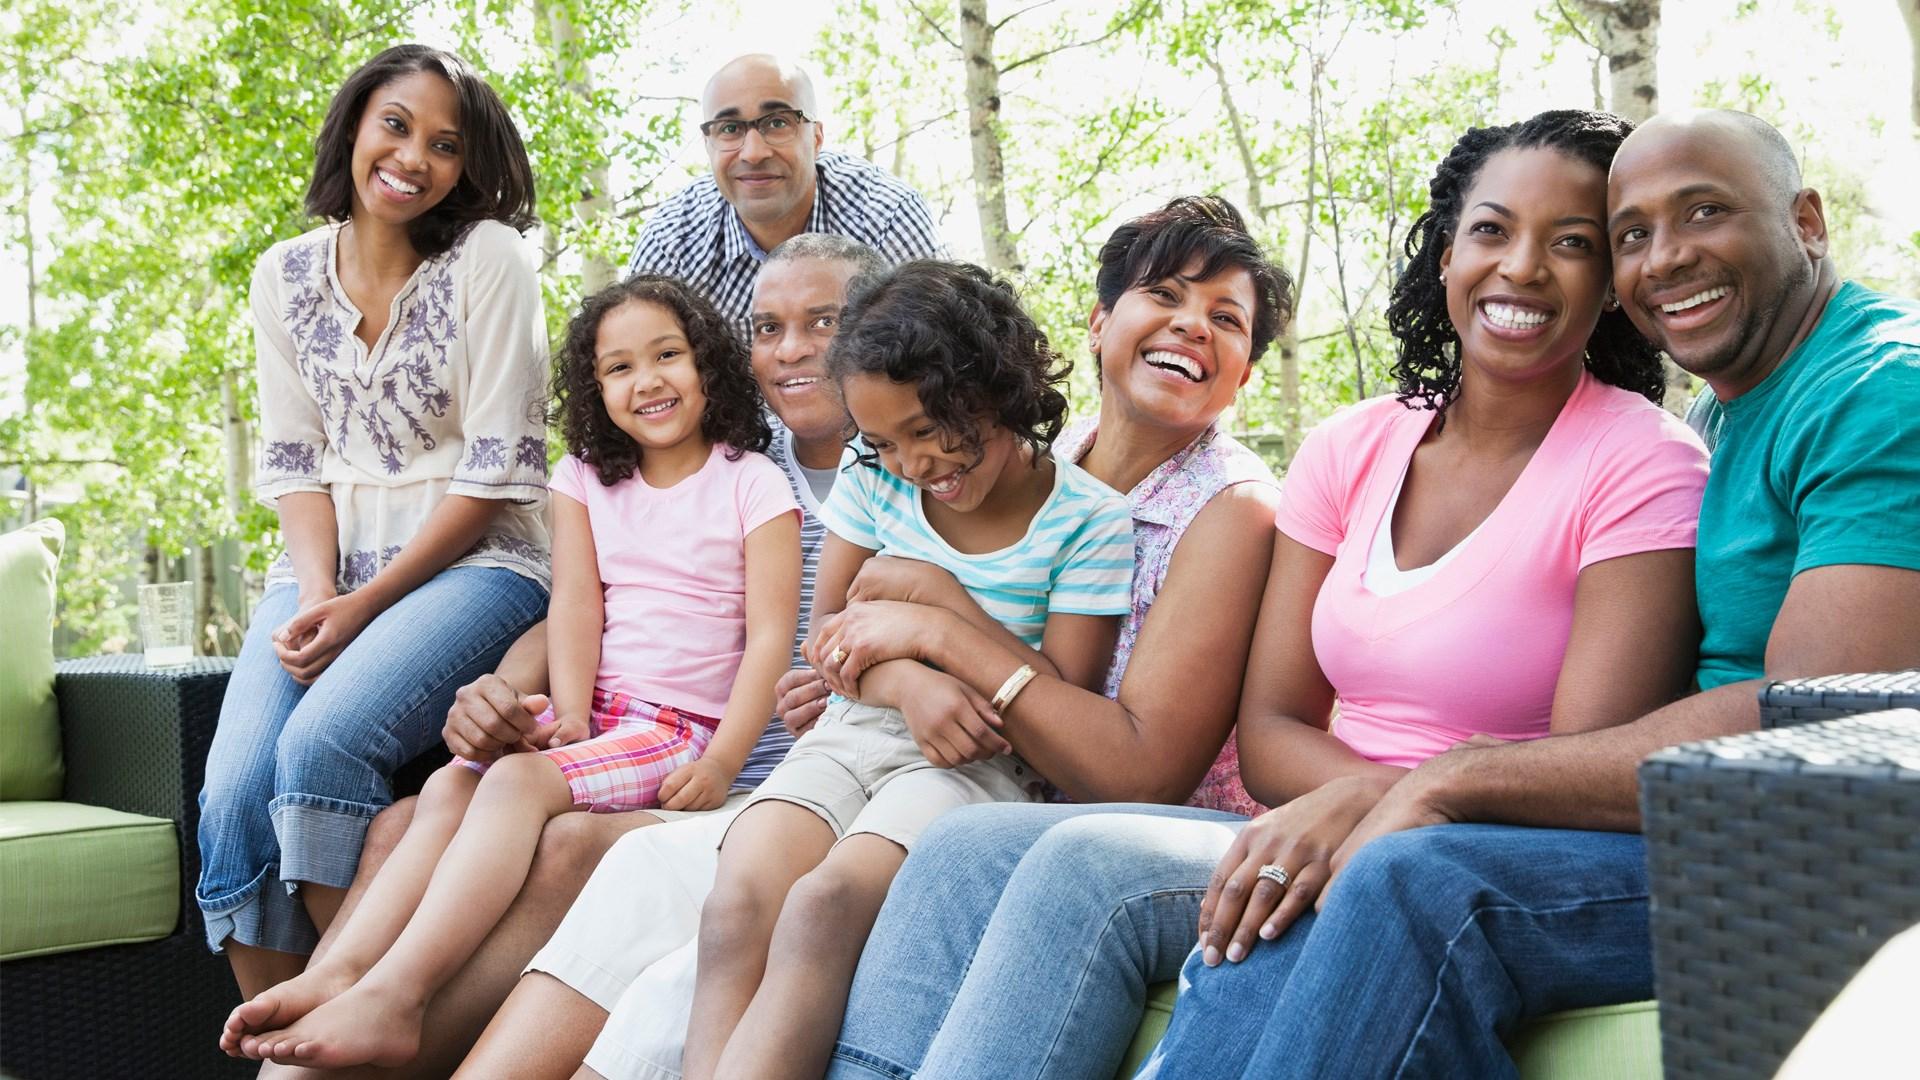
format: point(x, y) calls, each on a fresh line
point(777, 128)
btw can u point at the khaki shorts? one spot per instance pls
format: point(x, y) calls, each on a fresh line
point(861, 771)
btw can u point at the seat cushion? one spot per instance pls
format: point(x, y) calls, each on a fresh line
point(1611, 1042)
point(29, 719)
point(74, 876)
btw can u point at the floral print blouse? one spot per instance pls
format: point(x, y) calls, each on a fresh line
point(1163, 505)
point(451, 399)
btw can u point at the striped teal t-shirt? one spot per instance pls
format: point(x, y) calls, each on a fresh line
point(1076, 558)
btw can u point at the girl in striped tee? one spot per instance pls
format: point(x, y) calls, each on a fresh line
point(956, 394)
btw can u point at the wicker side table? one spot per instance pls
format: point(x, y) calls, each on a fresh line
point(1827, 697)
point(1780, 860)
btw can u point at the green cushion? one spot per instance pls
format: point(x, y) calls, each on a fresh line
point(1612, 1042)
point(74, 876)
point(1591, 1044)
point(29, 719)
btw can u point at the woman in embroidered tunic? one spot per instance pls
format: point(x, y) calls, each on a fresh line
point(402, 362)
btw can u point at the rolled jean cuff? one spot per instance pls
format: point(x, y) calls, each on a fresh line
point(264, 914)
point(850, 1063)
point(320, 838)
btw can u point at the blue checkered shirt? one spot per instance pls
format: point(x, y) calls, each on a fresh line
point(699, 238)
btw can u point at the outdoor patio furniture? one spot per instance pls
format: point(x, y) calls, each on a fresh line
point(1780, 861)
point(151, 1005)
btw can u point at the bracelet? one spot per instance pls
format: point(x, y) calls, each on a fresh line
point(1010, 689)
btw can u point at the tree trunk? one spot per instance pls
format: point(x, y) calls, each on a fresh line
point(1911, 10)
point(1627, 32)
point(207, 641)
point(1287, 344)
point(983, 132)
point(594, 202)
point(239, 442)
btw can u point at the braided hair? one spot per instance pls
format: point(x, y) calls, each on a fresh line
point(1428, 367)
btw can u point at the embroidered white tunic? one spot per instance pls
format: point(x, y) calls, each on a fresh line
point(451, 398)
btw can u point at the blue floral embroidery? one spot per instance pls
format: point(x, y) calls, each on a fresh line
point(294, 458)
point(531, 453)
point(486, 452)
point(414, 355)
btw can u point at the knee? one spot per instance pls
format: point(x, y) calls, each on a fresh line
point(735, 912)
point(571, 846)
point(824, 909)
point(385, 831)
point(321, 746)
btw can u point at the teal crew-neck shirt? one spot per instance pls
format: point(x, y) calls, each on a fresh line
point(1819, 465)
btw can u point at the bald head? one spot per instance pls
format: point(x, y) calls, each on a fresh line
point(760, 70)
point(1753, 142)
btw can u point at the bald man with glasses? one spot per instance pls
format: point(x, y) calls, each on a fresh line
point(772, 181)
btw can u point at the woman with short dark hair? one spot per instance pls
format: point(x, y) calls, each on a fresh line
point(402, 362)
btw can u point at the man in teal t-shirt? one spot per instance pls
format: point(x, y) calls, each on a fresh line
point(1816, 466)
point(1808, 564)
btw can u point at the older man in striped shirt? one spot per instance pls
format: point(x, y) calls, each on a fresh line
point(772, 181)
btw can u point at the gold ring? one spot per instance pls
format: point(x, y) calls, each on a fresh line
point(838, 656)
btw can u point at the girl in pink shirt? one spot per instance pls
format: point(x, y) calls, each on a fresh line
point(676, 590)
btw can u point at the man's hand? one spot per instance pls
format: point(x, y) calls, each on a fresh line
point(1412, 803)
point(700, 784)
point(311, 640)
point(952, 724)
point(799, 698)
point(489, 718)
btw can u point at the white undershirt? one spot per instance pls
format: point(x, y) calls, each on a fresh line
point(1383, 576)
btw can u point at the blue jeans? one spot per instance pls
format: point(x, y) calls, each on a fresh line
point(295, 773)
point(1019, 940)
point(1433, 946)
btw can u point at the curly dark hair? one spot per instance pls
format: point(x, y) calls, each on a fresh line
point(1428, 368)
point(958, 333)
point(1161, 243)
point(734, 416)
point(496, 180)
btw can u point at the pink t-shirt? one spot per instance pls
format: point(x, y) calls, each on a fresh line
point(1478, 646)
point(673, 574)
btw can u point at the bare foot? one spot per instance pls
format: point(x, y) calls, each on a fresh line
point(369, 1024)
point(282, 1004)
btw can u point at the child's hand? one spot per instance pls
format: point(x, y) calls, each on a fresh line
point(885, 577)
point(952, 724)
point(700, 784)
point(562, 732)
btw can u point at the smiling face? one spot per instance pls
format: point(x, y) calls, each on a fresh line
point(648, 379)
point(771, 187)
point(796, 312)
point(1526, 268)
point(895, 426)
point(1712, 260)
point(407, 151)
point(1177, 350)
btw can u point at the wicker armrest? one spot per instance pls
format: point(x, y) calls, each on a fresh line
point(135, 738)
point(1779, 861)
point(1826, 697)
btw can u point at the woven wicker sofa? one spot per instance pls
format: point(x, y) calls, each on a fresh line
point(1617, 1042)
point(150, 1003)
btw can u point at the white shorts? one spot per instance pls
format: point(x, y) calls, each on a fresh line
point(629, 942)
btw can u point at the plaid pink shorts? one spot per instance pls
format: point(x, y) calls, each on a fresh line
point(631, 747)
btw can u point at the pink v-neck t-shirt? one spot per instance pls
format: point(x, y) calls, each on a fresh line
point(1477, 647)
